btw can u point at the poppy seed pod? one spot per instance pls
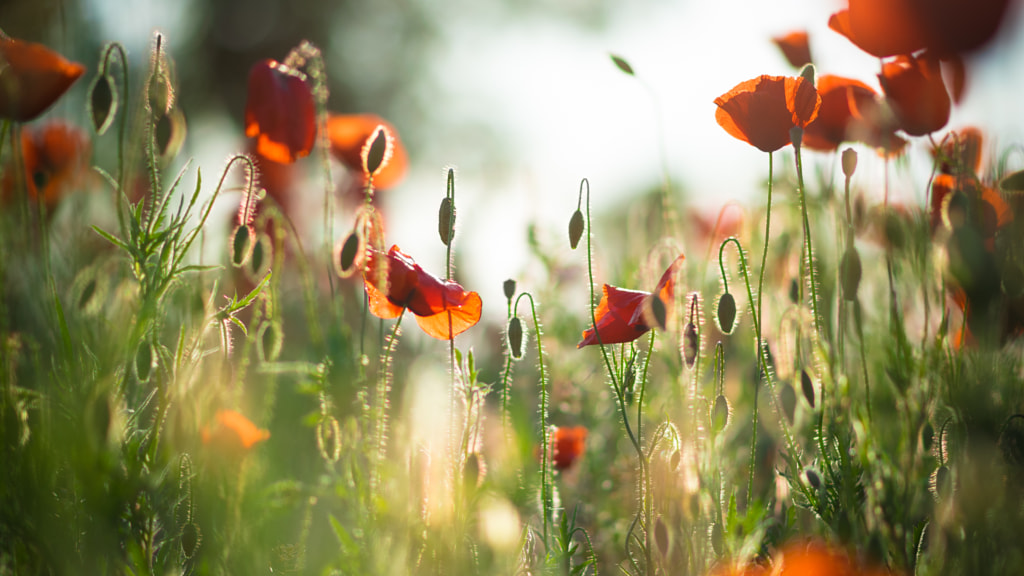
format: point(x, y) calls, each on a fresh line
point(691, 344)
point(509, 288)
point(102, 103)
point(515, 337)
point(720, 414)
point(726, 313)
point(807, 386)
point(575, 229)
point(850, 273)
point(849, 162)
point(446, 221)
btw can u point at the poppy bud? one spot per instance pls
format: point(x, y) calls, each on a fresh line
point(796, 136)
point(717, 538)
point(673, 462)
point(787, 398)
point(850, 273)
point(472, 471)
point(446, 221)
point(515, 337)
point(271, 339)
point(726, 313)
point(102, 103)
point(575, 229)
point(374, 157)
point(661, 536)
point(348, 259)
point(927, 437)
point(659, 312)
point(691, 344)
point(622, 65)
point(794, 291)
point(259, 261)
point(144, 361)
point(169, 134)
point(943, 485)
point(720, 414)
point(509, 288)
point(159, 94)
point(849, 162)
point(241, 245)
point(813, 479)
point(328, 439)
point(191, 538)
point(807, 386)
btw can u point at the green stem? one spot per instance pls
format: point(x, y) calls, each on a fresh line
point(381, 399)
point(807, 242)
point(547, 501)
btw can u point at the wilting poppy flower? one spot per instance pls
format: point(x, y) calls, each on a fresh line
point(622, 315)
point(32, 78)
point(437, 304)
point(795, 47)
point(567, 445)
point(233, 431)
point(56, 159)
point(849, 112)
point(348, 133)
point(280, 112)
point(763, 110)
point(914, 88)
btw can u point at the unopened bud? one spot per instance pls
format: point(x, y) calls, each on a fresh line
point(509, 287)
point(374, 153)
point(813, 479)
point(720, 414)
point(515, 337)
point(446, 220)
point(348, 259)
point(102, 103)
point(849, 162)
point(807, 385)
point(787, 398)
point(850, 273)
point(691, 344)
point(726, 313)
point(242, 241)
point(575, 229)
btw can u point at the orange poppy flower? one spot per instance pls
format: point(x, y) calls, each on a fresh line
point(56, 157)
point(795, 47)
point(567, 445)
point(233, 432)
point(763, 110)
point(437, 304)
point(280, 112)
point(916, 92)
point(32, 78)
point(622, 315)
point(348, 134)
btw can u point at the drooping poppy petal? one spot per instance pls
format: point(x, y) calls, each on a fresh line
point(32, 78)
point(280, 112)
point(348, 134)
point(625, 315)
point(796, 47)
point(763, 110)
point(437, 304)
point(830, 128)
point(917, 94)
point(881, 27)
point(232, 430)
point(56, 160)
point(567, 445)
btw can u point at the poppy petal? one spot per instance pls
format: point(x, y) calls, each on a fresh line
point(32, 78)
point(616, 317)
point(795, 46)
point(464, 315)
point(280, 112)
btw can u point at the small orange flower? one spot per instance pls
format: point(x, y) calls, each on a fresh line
point(348, 133)
point(917, 93)
point(32, 78)
point(437, 304)
point(233, 431)
point(622, 315)
point(280, 112)
point(763, 110)
point(567, 445)
point(56, 160)
point(849, 113)
point(795, 47)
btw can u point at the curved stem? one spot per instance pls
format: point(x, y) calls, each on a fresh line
point(117, 48)
point(545, 463)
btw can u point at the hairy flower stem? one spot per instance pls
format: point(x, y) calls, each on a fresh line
point(505, 383)
point(546, 490)
point(380, 416)
point(812, 279)
point(792, 455)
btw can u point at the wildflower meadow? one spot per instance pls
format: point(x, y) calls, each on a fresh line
point(202, 372)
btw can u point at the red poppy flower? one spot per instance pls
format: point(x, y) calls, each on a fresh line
point(567, 445)
point(850, 112)
point(233, 432)
point(763, 110)
point(280, 112)
point(348, 134)
point(960, 152)
point(881, 27)
point(32, 78)
point(795, 47)
point(622, 315)
point(914, 88)
point(438, 304)
point(56, 157)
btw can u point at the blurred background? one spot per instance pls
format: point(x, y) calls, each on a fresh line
point(520, 97)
